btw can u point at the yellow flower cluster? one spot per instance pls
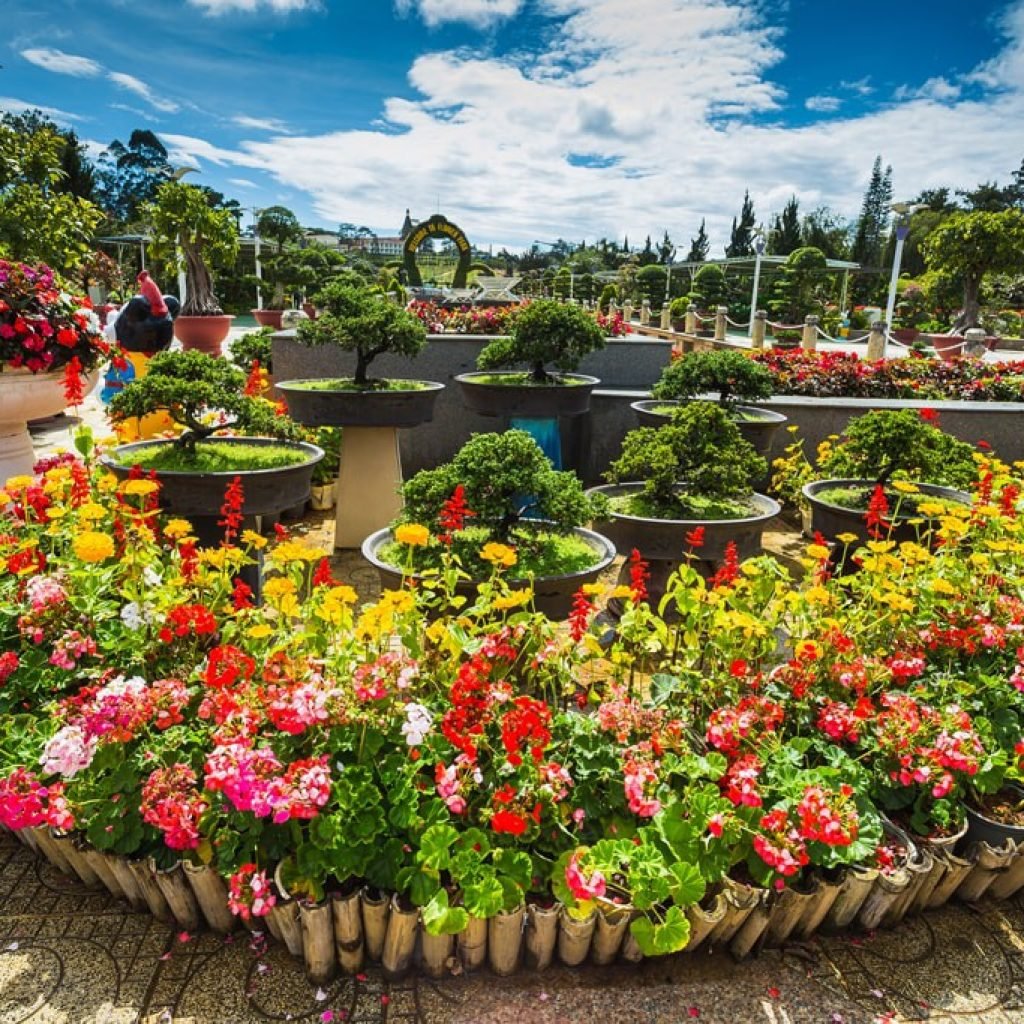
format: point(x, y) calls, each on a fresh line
point(91, 546)
point(500, 555)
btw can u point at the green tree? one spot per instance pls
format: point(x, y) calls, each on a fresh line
point(666, 250)
point(874, 218)
point(967, 246)
point(38, 220)
point(129, 175)
point(785, 235)
point(562, 284)
point(700, 246)
point(647, 254)
point(710, 288)
point(651, 282)
point(279, 225)
point(828, 231)
point(796, 292)
point(192, 236)
point(741, 241)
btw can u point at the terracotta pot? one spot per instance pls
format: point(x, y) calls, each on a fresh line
point(26, 396)
point(309, 309)
point(202, 333)
point(268, 317)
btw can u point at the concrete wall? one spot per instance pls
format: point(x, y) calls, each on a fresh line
point(623, 365)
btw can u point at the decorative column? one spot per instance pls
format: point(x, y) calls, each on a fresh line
point(645, 313)
point(720, 324)
point(690, 326)
point(876, 342)
point(974, 342)
point(627, 311)
point(810, 338)
point(759, 324)
point(666, 318)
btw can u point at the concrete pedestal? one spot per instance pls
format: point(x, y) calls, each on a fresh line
point(368, 485)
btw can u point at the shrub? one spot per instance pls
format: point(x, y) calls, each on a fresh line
point(545, 332)
point(733, 375)
point(700, 452)
point(358, 321)
point(256, 345)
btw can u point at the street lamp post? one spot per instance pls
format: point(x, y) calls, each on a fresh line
point(759, 247)
point(903, 211)
point(259, 266)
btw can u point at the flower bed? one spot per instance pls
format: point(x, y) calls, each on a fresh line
point(846, 375)
point(492, 320)
point(700, 781)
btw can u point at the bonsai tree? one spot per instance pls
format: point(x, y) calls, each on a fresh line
point(507, 483)
point(678, 307)
point(710, 287)
point(203, 395)
point(900, 443)
point(369, 325)
point(190, 235)
point(698, 460)
point(545, 332)
point(734, 375)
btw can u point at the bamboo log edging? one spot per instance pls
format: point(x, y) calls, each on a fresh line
point(348, 928)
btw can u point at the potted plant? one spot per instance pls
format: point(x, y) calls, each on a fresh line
point(689, 479)
point(734, 376)
point(190, 235)
point(786, 338)
point(888, 468)
point(546, 333)
point(49, 340)
point(204, 396)
point(677, 312)
point(499, 501)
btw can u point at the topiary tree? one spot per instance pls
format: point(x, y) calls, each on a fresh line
point(710, 287)
point(651, 281)
point(358, 321)
point(734, 375)
point(545, 332)
point(203, 395)
point(609, 294)
point(700, 452)
point(191, 235)
point(899, 442)
point(497, 472)
point(796, 292)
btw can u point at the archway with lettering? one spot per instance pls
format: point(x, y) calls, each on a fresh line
point(436, 227)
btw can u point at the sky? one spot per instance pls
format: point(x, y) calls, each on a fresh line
point(526, 120)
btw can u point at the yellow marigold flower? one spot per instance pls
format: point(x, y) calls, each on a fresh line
point(254, 540)
point(396, 601)
point(499, 554)
point(93, 547)
point(931, 508)
point(620, 593)
point(140, 488)
point(592, 589)
point(4, 498)
point(941, 586)
point(817, 551)
point(342, 594)
point(514, 599)
point(177, 528)
point(905, 487)
point(278, 586)
point(847, 538)
point(295, 551)
point(412, 534)
point(91, 511)
point(897, 602)
point(19, 483)
point(259, 631)
point(818, 595)
point(56, 511)
point(880, 547)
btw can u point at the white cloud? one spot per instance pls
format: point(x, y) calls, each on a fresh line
point(15, 106)
point(261, 124)
point(243, 182)
point(667, 121)
point(218, 7)
point(62, 63)
point(862, 86)
point(823, 104)
point(133, 84)
point(939, 89)
point(481, 13)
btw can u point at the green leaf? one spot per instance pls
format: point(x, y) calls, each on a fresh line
point(441, 919)
point(435, 846)
point(658, 939)
point(515, 864)
point(663, 687)
point(688, 886)
point(484, 898)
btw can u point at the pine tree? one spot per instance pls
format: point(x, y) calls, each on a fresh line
point(741, 241)
point(874, 218)
point(647, 255)
point(699, 246)
point(785, 233)
point(666, 250)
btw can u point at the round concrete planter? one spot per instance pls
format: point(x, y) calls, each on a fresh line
point(345, 408)
point(27, 396)
point(831, 520)
point(202, 333)
point(570, 396)
point(267, 491)
point(552, 595)
point(759, 431)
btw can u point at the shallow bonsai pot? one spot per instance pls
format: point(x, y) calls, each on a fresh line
point(759, 432)
point(266, 491)
point(268, 317)
point(665, 539)
point(982, 829)
point(552, 595)
point(830, 520)
point(345, 408)
point(202, 333)
point(570, 396)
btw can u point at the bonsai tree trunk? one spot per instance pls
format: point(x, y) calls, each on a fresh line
point(539, 375)
point(200, 300)
point(971, 312)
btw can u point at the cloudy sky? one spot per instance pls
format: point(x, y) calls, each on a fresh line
point(526, 119)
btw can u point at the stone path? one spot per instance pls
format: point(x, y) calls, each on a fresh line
point(71, 956)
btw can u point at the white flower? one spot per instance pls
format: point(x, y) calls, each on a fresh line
point(68, 752)
point(151, 576)
point(119, 686)
point(132, 617)
point(418, 721)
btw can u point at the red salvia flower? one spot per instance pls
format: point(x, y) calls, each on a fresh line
point(322, 575)
point(453, 515)
point(254, 382)
point(241, 596)
point(878, 509)
point(74, 393)
point(579, 617)
point(1008, 500)
point(231, 510)
point(930, 416)
point(639, 574)
point(695, 538)
point(730, 569)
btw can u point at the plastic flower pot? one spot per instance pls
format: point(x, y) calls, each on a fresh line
point(268, 317)
point(344, 407)
point(982, 828)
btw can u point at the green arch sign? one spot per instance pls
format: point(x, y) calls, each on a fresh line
point(436, 227)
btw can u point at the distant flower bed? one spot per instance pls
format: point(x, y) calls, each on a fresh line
point(846, 375)
point(490, 320)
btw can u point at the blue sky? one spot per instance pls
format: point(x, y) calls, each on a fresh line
point(538, 118)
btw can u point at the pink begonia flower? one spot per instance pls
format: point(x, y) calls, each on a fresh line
point(579, 886)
